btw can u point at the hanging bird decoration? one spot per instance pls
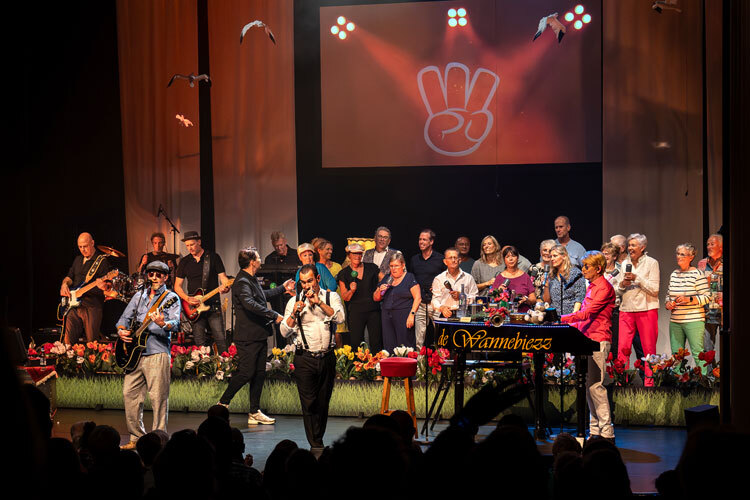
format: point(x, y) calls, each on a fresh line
point(553, 23)
point(660, 5)
point(184, 121)
point(191, 78)
point(257, 24)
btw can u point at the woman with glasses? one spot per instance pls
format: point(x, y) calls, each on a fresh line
point(537, 270)
point(400, 297)
point(687, 295)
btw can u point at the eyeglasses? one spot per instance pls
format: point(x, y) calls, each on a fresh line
point(678, 254)
point(152, 274)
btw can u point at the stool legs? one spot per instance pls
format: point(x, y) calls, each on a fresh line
point(409, 393)
point(386, 398)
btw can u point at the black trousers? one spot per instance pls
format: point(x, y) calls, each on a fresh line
point(357, 323)
point(251, 368)
point(314, 378)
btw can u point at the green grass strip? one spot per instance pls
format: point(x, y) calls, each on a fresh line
point(633, 406)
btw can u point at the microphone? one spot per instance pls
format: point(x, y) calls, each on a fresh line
point(354, 274)
point(447, 285)
point(506, 282)
point(533, 272)
point(388, 282)
point(161, 210)
point(615, 273)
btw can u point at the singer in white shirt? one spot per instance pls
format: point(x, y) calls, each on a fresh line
point(312, 321)
point(446, 286)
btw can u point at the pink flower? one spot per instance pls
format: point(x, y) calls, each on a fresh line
point(291, 367)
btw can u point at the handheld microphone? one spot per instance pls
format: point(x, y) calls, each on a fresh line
point(506, 282)
point(388, 282)
point(615, 273)
point(447, 285)
point(628, 268)
point(354, 274)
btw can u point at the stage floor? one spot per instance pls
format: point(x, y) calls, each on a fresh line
point(647, 451)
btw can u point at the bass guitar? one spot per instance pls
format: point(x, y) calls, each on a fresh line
point(128, 354)
point(68, 303)
point(192, 313)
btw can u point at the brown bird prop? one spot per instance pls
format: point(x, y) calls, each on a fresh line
point(659, 5)
point(184, 121)
point(257, 24)
point(553, 23)
point(191, 78)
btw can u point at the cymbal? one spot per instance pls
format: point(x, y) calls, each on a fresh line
point(111, 252)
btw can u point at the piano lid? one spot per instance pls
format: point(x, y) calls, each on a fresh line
point(453, 335)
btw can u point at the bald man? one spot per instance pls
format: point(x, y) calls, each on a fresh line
point(90, 266)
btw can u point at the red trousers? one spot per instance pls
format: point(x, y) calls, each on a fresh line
point(647, 325)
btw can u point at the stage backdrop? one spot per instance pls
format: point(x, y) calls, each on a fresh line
point(405, 88)
point(252, 119)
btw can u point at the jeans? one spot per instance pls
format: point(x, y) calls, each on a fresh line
point(210, 320)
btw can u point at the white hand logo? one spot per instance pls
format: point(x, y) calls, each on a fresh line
point(458, 119)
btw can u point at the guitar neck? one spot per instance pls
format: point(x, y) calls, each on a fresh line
point(215, 291)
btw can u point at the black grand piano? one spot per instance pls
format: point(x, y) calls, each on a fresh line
point(463, 339)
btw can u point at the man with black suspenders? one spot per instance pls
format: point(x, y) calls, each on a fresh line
point(311, 318)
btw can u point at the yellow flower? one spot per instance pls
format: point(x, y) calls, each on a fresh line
point(350, 355)
point(276, 351)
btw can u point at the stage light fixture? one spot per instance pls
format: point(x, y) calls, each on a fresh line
point(452, 22)
point(462, 21)
point(341, 20)
point(350, 26)
point(342, 34)
point(452, 13)
point(578, 24)
point(569, 16)
point(457, 17)
point(334, 30)
point(587, 18)
point(461, 12)
point(579, 9)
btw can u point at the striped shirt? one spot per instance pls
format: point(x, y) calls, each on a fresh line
point(690, 283)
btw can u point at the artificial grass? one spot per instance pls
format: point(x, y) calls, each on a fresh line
point(632, 406)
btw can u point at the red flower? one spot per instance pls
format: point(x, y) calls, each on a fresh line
point(685, 377)
point(92, 358)
point(627, 351)
point(638, 364)
point(715, 372)
point(708, 356)
point(610, 371)
point(423, 351)
point(619, 366)
point(550, 358)
point(32, 352)
point(413, 355)
point(225, 354)
point(610, 356)
point(232, 350)
point(291, 367)
point(697, 370)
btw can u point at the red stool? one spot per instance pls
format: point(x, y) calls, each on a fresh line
point(402, 368)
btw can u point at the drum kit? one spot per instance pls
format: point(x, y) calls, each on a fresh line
point(123, 288)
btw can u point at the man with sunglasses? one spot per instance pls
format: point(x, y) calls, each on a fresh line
point(594, 320)
point(253, 325)
point(152, 371)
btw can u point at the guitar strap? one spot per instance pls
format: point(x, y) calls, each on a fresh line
point(206, 270)
point(94, 268)
point(154, 307)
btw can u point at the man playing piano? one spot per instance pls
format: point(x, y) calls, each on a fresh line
point(594, 320)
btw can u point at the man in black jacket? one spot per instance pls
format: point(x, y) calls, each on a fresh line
point(253, 325)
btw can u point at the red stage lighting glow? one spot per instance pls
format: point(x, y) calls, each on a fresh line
point(579, 9)
point(569, 16)
point(341, 20)
point(578, 24)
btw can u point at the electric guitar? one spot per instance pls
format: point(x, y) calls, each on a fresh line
point(68, 303)
point(192, 313)
point(128, 354)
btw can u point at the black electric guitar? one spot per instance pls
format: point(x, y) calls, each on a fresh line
point(128, 354)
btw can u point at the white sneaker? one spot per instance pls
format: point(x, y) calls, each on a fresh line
point(259, 418)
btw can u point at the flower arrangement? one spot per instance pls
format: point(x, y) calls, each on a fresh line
point(553, 374)
point(367, 365)
point(281, 362)
point(344, 363)
point(199, 362)
point(430, 362)
point(77, 359)
point(502, 312)
point(617, 370)
point(671, 370)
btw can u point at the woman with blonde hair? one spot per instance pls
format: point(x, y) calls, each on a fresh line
point(489, 265)
point(566, 287)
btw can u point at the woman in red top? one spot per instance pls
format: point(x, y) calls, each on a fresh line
point(594, 320)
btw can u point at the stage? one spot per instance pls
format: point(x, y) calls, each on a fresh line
point(647, 451)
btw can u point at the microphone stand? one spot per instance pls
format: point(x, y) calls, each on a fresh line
point(174, 229)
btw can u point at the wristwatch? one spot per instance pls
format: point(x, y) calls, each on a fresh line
point(413, 312)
